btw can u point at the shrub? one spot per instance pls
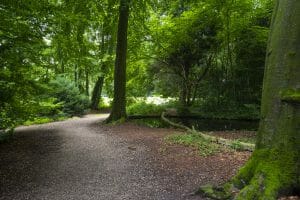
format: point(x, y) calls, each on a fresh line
point(69, 96)
point(143, 108)
point(49, 107)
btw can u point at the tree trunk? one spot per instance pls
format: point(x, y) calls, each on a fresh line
point(274, 168)
point(87, 82)
point(119, 102)
point(96, 96)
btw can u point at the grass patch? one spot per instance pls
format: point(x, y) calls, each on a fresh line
point(204, 147)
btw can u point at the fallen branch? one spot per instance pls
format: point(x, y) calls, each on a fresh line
point(218, 140)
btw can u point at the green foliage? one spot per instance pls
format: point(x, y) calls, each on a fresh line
point(205, 109)
point(41, 120)
point(218, 193)
point(104, 104)
point(267, 174)
point(210, 52)
point(210, 108)
point(44, 120)
point(153, 123)
point(204, 147)
point(49, 107)
point(143, 108)
point(69, 96)
point(21, 74)
point(5, 135)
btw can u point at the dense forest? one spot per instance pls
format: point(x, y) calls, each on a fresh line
point(135, 59)
point(57, 57)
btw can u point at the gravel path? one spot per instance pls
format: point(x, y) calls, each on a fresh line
point(77, 159)
point(82, 159)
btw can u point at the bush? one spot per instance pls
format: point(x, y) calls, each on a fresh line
point(143, 108)
point(69, 96)
point(49, 107)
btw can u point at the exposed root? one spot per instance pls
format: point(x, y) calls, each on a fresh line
point(264, 177)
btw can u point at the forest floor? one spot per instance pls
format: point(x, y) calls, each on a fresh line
point(84, 159)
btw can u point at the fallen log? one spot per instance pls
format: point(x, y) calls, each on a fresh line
point(218, 140)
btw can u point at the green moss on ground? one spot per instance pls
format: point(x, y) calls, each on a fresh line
point(204, 147)
point(268, 175)
point(219, 193)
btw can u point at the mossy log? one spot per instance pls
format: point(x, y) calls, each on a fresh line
point(219, 140)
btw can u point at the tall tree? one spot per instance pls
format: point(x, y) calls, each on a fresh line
point(22, 28)
point(107, 32)
point(274, 168)
point(119, 101)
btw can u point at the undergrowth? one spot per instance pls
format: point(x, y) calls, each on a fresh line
point(143, 108)
point(204, 147)
point(43, 120)
point(153, 123)
point(204, 110)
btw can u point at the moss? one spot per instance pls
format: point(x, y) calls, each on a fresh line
point(268, 174)
point(290, 95)
point(219, 193)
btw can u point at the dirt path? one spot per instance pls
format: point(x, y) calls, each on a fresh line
point(82, 159)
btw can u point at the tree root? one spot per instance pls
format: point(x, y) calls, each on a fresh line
point(264, 177)
point(218, 140)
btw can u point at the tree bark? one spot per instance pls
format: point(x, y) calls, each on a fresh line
point(96, 96)
point(87, 82)
point(119, 102)
point(274, 168)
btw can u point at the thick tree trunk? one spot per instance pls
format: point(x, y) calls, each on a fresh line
point(96, 96)
point(274, 168)
point(119, 102)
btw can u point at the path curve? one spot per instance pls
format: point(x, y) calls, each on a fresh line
point(77, 159)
